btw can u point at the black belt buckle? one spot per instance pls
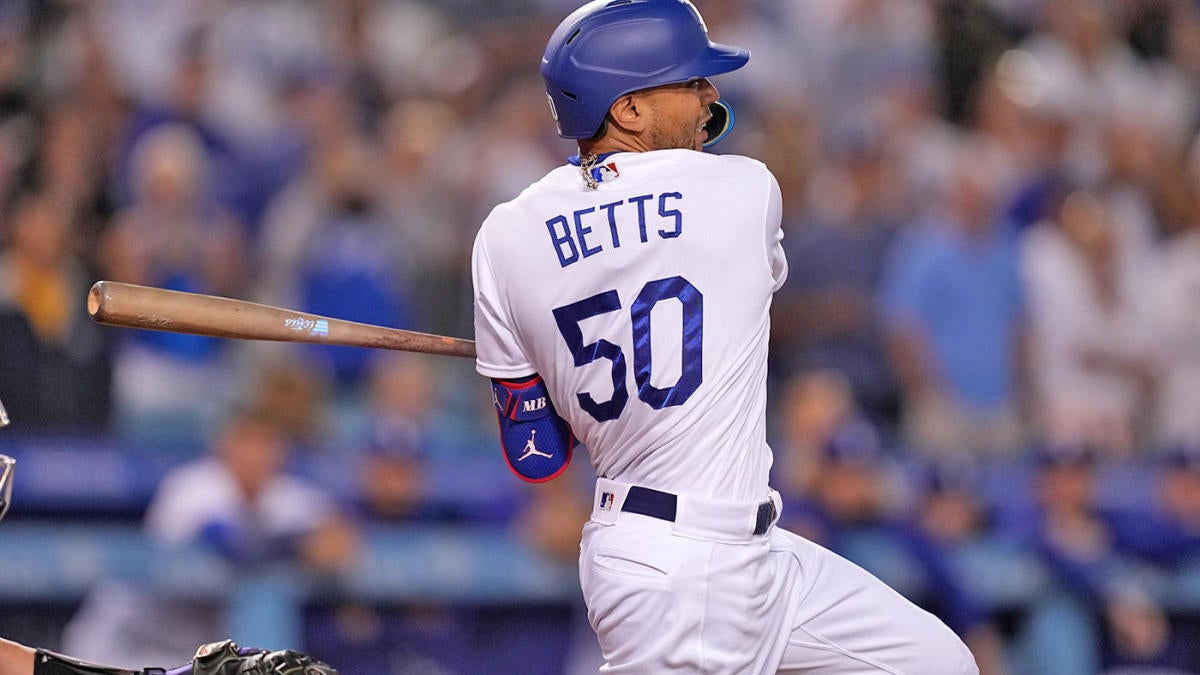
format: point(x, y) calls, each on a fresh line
point(766, 516)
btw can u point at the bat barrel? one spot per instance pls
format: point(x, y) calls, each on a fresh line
point(133, 306)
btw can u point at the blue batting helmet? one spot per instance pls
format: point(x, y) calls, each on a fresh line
point(609, 48)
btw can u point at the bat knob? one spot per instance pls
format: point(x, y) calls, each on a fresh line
point(95, 298)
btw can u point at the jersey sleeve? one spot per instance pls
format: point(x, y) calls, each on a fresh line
point(498, 350)
point(774, 234)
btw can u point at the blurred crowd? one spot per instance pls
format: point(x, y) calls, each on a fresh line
point(992, 217)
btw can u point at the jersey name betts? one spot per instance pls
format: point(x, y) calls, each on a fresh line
point(655, 357)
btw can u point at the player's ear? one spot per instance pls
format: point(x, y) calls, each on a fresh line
point(625, 113)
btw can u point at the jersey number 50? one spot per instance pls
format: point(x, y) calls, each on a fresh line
point(691, 367)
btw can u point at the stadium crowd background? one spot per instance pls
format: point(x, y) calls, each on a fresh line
point(986, 362)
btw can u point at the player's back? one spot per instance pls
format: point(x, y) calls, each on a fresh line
point(644, 306)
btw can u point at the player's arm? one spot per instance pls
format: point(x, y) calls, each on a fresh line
point(537, 442)
point(15, 659)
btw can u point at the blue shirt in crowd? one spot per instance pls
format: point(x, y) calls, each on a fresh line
point(964, 294)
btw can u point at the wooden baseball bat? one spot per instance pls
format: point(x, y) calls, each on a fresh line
point(133, 306)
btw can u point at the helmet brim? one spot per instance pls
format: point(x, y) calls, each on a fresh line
point(719, 58)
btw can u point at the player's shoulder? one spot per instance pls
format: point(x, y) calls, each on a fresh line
point(724, 164)
point(731, 176)
point(741, 162)
point(508, 210)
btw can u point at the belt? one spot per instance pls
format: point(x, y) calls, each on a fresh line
point(662, 505)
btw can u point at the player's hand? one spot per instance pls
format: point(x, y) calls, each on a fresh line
point(226, 658)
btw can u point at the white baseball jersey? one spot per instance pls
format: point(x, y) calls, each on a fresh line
point(644, 306)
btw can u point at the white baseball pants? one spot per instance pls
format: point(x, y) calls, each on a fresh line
point(704, 595)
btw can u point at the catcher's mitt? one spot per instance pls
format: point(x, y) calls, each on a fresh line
point(225, 658)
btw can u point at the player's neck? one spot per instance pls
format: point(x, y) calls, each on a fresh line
point(611, 142)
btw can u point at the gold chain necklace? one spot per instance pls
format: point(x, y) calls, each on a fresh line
point(586, 162)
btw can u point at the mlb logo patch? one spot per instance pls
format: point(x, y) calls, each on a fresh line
point(606, 500)
point(606, 172)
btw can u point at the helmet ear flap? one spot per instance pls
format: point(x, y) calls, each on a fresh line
point(721, 123)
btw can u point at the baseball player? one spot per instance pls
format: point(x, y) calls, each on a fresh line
point(622, 302)
point(217, 658)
